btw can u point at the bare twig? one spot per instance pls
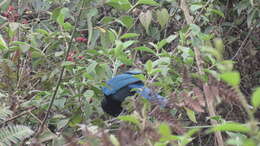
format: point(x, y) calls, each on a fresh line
point(19, 115)
point(243, 43)
point(199, 61)
point(40, 128)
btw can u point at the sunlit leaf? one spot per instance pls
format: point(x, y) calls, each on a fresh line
point(162, 17)
point(146, 19)
point(256, 98)
point(129, 35)
point(232, 78)
point(130, 118)
point(230, 126)
point(145, 49)
point(3, 44)
point(148, 2)
point(120, 4)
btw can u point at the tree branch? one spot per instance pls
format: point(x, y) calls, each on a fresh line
point(208, 96)
point(40, 128)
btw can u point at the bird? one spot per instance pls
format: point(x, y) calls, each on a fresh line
point(123, 85)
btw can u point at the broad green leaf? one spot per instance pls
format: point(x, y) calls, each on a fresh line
point(89, 93)
point(195, 29)
point(129, 35)
point(232, 78)
point(127, 44)
point(126, 21)
point(62, 123)
point(170, 38)
point(218, 12)
point(105, 39)
point(114, 140)
point(256, 98)
point(165, 130)
point(63, 13)
point(42, 31)
point(148, 2)
point(162, 17)
point(191, 115)
point(140, 76)
point(149, 66)
point(92, 12)
point(91, 67)
point(75, 119)
point(163, 42)
point(3, 44)
point(146, 19)
point(195, 7)
point(67, 26)
point(230, 126)
point(107, 19)
point(56, 13)
point(130, 118)
point(123, 5)
point(145, 49)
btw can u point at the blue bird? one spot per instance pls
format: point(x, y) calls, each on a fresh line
point(122, 86)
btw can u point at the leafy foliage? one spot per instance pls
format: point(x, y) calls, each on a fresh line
point(193, 53)
point(4, 113)
point(14, 134)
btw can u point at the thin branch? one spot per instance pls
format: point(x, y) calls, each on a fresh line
point(243, 43)
point(18, 116)
point(208, 96)
point(61, 74)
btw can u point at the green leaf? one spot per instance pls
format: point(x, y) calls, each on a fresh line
point(42, 31)
point(92, 66)
point(145, 49)
point(107, 19)
point(149, 66)
point(13, 134)
point(89, 93)
point(165, 130)
point(75, 119)
point(114, 140)
point(4, 113)
point(218, 12)
point(146, 19)
point(123, 5)
point(63, 13)
point(130, 118)
point(191, 115)
point(230, 126)
point(162, 17)
point(148, 2)
point(232, 78)
point(126, 21)
point(256, 98)
point(140, 76)
point(3, 44)
point(195, 7)
point(195, 29)
point(129, 35)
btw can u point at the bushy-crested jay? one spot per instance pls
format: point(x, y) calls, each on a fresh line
point(123, 85)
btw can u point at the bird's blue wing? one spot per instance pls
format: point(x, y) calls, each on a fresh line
point(120, 81)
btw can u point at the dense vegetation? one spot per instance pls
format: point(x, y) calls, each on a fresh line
point(203, 56)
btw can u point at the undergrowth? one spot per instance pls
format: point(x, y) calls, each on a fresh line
point(56, 55)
